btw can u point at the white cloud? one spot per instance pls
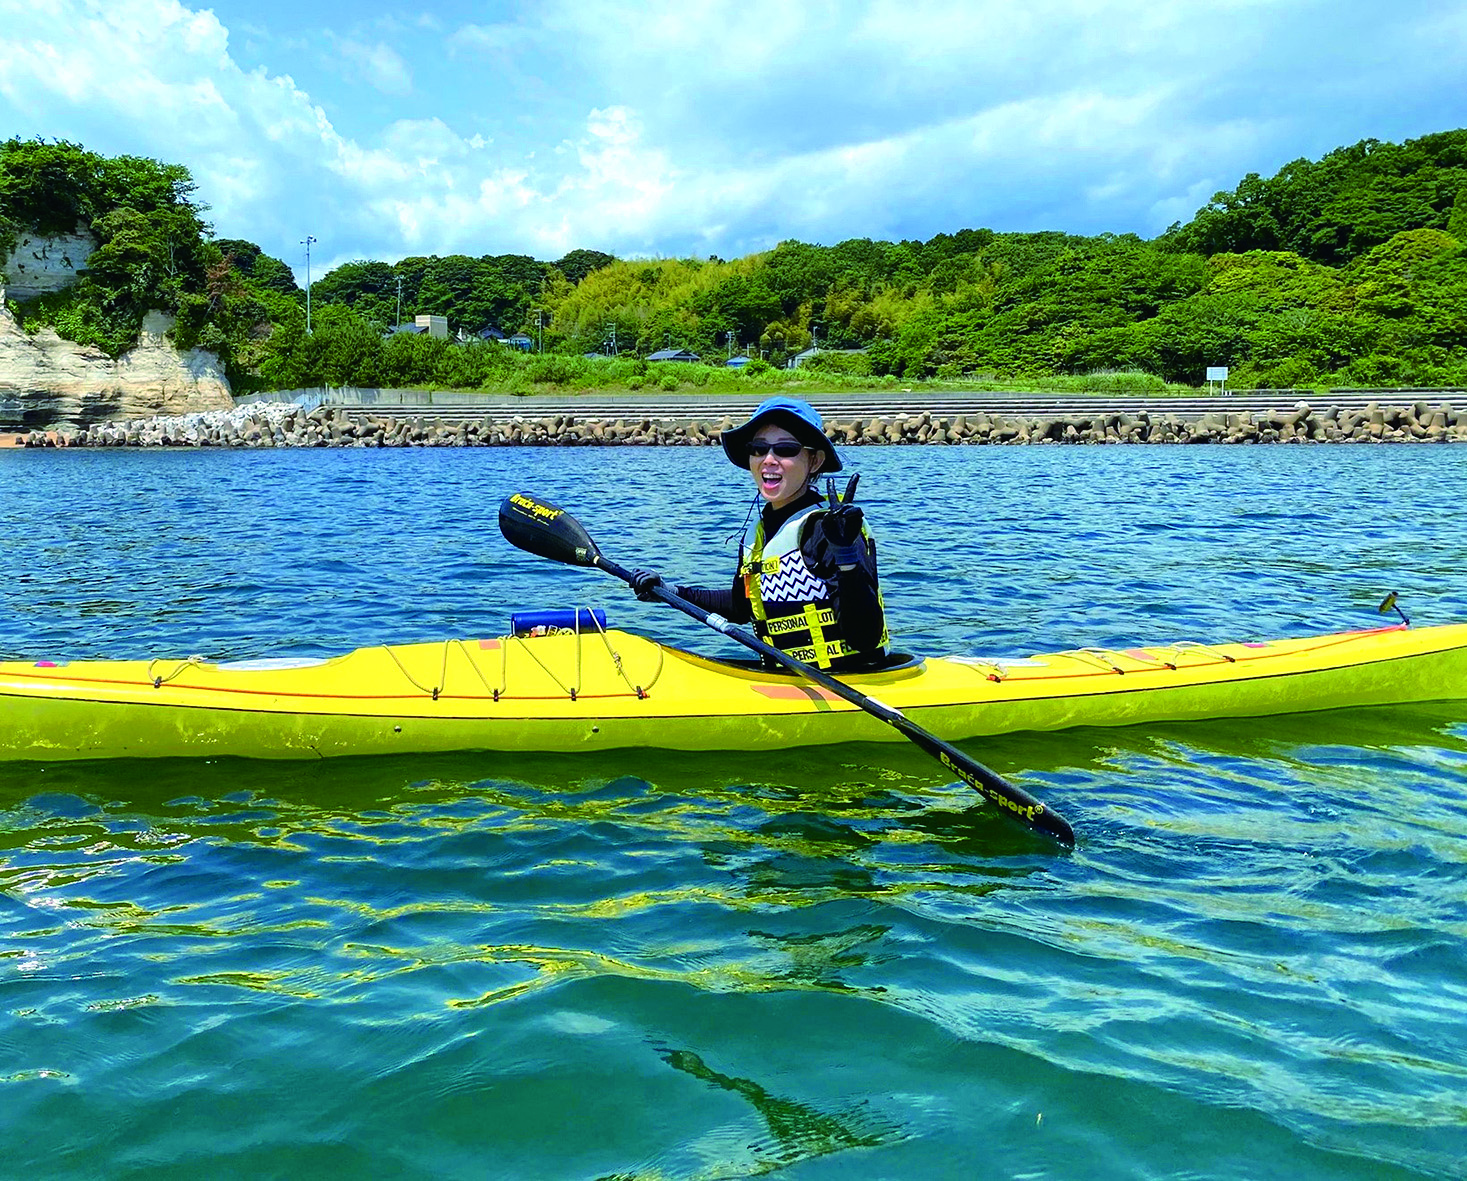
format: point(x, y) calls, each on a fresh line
point(491, 39)
point(719, 127)
point(379, 65)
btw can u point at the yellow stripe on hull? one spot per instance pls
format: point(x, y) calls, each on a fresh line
point(603, 692)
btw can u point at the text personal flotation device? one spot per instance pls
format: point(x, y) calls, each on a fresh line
point(793, 608)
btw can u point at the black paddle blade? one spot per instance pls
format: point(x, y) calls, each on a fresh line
point(540, 528)
point(1389, 604)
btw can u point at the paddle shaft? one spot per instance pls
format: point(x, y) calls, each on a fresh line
point(1012, 801)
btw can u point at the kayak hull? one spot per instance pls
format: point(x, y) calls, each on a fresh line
point(610, 690)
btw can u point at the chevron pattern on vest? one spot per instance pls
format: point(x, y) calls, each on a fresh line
point(793, 584)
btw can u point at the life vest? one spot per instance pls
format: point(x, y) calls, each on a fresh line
point(792, 606)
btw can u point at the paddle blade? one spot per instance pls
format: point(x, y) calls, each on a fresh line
point(540, 528)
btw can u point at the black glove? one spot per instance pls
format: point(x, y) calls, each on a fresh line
point(843, 525)
point(642, 583)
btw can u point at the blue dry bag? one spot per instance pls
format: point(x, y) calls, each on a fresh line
point(561, 619)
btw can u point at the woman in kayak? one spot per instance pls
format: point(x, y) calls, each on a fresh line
point(807, 570)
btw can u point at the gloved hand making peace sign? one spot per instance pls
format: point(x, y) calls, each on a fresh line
point(843, 521)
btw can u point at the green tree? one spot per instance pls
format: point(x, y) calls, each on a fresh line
point(368, 288)
point(1457, 219)
point(1337, 208)
point(152, 251)
point(576, 265)
point(259, 268)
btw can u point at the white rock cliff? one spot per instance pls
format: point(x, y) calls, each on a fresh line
point(39, 266)
point(47, 382)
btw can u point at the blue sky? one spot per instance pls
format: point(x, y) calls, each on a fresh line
point(703, 127)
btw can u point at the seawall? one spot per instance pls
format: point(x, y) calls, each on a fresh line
point(277, 424)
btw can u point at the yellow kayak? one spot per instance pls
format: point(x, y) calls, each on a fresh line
point(601, 690)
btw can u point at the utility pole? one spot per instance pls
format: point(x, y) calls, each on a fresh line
point(399, 299)
point(306, 242)
point(540, 329)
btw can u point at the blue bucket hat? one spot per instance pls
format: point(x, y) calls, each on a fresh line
point(797, 417)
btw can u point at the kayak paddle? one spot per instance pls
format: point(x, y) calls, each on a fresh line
point(540, 528)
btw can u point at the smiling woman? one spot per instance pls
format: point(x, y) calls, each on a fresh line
point(807, 577)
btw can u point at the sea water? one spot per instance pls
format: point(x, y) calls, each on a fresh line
point(821, 963)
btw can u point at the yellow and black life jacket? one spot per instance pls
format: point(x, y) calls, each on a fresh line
point(792, 606)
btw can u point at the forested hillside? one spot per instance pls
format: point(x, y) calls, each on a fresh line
point(1349, 270)
point(154, 253)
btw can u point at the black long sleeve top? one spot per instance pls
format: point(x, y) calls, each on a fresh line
point(854, 591)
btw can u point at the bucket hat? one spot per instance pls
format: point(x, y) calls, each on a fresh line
point(797, 417)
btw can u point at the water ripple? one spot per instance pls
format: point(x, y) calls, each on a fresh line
point(821, 962)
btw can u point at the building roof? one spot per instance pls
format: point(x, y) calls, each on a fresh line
point(736, 362)
point(672, 355)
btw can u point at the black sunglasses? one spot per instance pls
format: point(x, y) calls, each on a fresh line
point(785, 448)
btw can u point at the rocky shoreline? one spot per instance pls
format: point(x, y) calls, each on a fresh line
point(267, 424)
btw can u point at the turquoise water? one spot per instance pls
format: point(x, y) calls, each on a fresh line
point(820, 964)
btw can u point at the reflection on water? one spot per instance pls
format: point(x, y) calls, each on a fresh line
point(793, 1131)
point(644, 965)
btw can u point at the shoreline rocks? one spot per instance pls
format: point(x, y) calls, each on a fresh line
point(274, 424)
